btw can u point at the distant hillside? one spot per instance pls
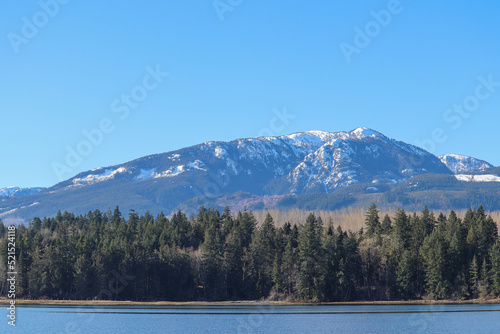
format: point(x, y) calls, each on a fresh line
point(313, 170)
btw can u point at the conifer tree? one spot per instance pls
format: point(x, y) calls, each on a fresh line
point(386, 226)
point(433, 254)
point(401, 229)
point(495, 269)
point(211, 274)
point(428, 220)
point(406, 275)
point(262, 253)
point(474, 277)
point(484, 279)
point(310, 260)
point(233, 261)
point(290, 267)
point(372, 221)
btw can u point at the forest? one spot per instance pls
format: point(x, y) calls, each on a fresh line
point(213, 256)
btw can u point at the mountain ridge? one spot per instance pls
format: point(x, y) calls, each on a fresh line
point(289, 165)
point(458, 163)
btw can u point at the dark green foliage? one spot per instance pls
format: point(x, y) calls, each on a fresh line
point(319, 201)
point(262, 254)
point(474, 277)
point(406, 275)
point(401, 230)
point(310, 275)
point(386, 226)
point(214, 256)
point(495, 269)
point(372, 221)
point(434, 259)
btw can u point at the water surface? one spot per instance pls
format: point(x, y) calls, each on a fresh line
point(350, 319)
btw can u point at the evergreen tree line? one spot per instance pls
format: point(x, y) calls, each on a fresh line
point(221, 256)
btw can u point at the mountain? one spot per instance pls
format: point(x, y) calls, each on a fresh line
point(462, 163)
point(18, 192)
point(265, 171)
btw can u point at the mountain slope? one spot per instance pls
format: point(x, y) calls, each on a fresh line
point(300, 163)
point(462, 163)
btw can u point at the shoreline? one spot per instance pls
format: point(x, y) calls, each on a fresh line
point(91, 303)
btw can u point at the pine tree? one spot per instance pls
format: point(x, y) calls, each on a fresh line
point(212, 275)
point(428, 220)
point(290, 267)
point(401, 229)
point(406, 275)
point(331, 263)
point(471, 243)
point(372, 221)
point(474, 277)
point(433, 254)
point(233, 263)
point(310, 260)
point(386, 225)
point(468, 219)
point(262, 252)
point(484, 279)
point(278, 277)
point(495, 269)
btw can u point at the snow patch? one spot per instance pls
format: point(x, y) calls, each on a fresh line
point(172, 172)
point(3, 214)
point(145, 174)
point(197, 164)
point(174, 157)
point(220, 152)
point(93, 178)
point(477, 178)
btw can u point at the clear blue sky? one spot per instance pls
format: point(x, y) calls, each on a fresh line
point(227, 76)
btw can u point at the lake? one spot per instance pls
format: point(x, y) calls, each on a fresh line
point(355, 319)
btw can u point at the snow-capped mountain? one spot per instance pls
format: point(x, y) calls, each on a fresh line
point(461, 163)
point(300, 163)
point(361, 156)
point(306, 162)
point(18, 192)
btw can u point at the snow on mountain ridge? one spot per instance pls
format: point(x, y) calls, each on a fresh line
point(94, 178)
point(311, 161)
point(300, 163)
point(462, 163)
point(362, 132)
point(7, 191)
point(19, 191)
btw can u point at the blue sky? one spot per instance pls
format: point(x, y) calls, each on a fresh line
point(231, 69)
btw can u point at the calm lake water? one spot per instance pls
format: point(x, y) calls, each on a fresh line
point(385, 319)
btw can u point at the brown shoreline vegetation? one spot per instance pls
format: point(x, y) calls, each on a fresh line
point(243, 302)
point(351, 218)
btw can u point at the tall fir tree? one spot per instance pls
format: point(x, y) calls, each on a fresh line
point(495, 269)
point(372, 221)
point(310, 260)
